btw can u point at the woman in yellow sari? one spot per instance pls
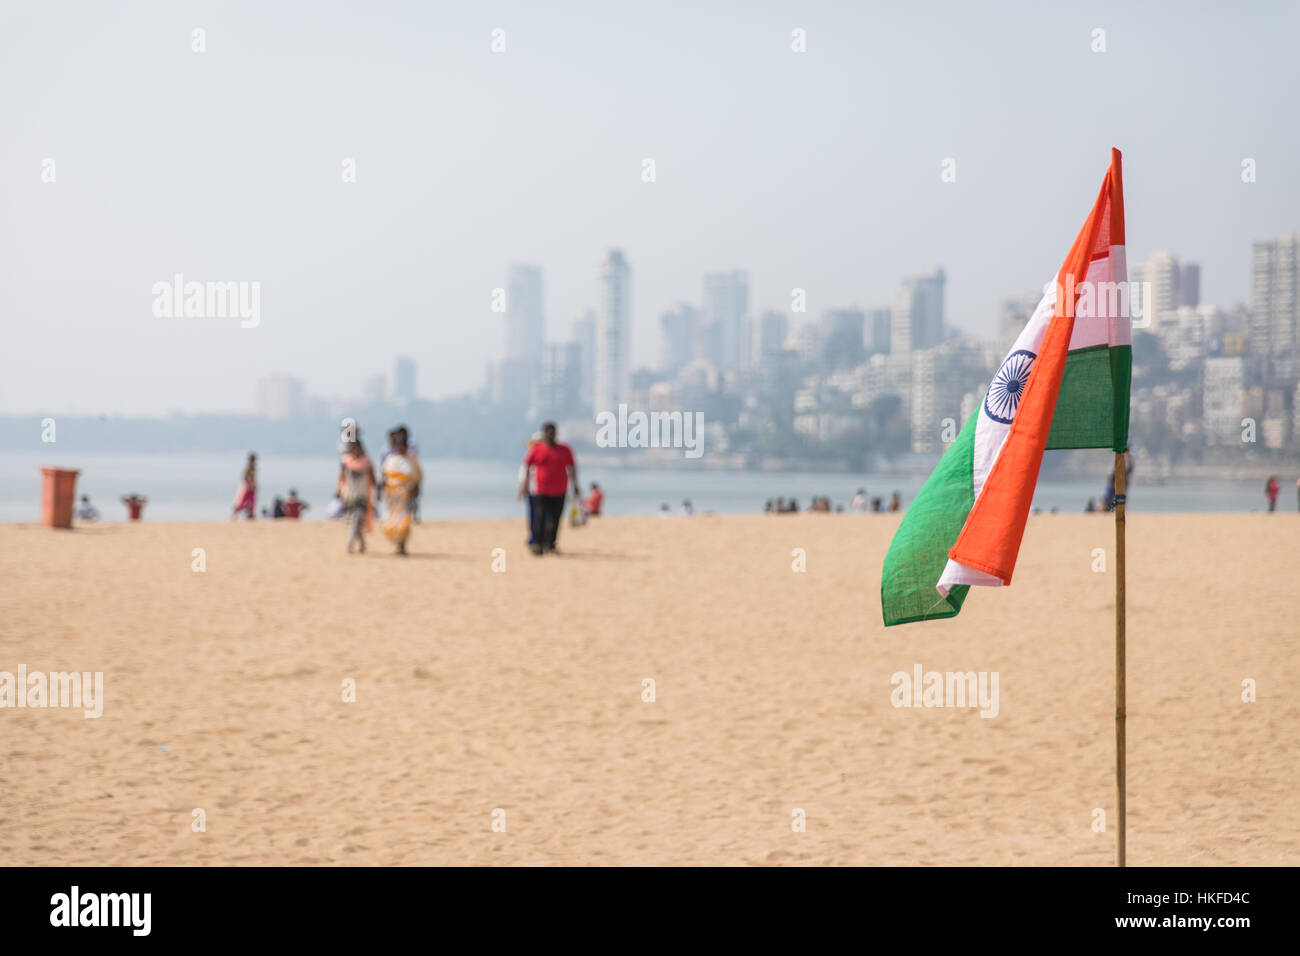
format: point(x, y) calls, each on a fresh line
point(402, 475)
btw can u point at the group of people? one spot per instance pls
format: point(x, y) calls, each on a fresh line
point(360, 496)
point(246, 498)
point(392, 492)
point(134, 507)
point(859, 504)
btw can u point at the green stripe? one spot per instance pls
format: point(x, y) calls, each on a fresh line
point(920, 547)
point(1092, 406)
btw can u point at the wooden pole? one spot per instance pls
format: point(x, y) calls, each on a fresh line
point(1120, 677)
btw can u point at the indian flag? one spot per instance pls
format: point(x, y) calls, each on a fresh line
point(1064, 384)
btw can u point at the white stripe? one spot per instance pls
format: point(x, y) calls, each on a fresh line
point(1102, 315)
point(954, 574)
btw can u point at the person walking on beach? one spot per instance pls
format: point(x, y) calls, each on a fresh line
point(555, 467)
point(356, 489)
point(1271, 492)
point(246, 496)
point(402, 474)
point(531, 494)
point(86, 511)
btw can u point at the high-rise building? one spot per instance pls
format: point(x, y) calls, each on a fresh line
point(1173, 283)
point(279, 397)
point(725, 321)
point(878, 330)
point(942, 378)
point(1186, 333)
point(677, 338)
point(771, 331)
point(558, 393)
point(842, 338)
point(584, 334)
point(404, 379)
point(525, 322)
point(613, 333)
point(917, 319)
point(1223, 389)
point(1274, 330)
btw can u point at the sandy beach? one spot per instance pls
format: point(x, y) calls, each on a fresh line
point(522, 690)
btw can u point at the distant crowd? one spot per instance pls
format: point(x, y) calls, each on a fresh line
point(548, 480)
point(858, 504)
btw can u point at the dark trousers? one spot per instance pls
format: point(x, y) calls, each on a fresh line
point(532, 520)
point(547, 511)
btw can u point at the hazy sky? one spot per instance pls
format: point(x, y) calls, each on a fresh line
point(818, 170)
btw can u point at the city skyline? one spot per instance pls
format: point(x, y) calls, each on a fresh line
point(879, 380)
point(526, 325)
point(835, 168)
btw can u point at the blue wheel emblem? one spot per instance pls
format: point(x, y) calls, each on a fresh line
point(1008, 386)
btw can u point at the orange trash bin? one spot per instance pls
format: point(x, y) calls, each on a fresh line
point(58, 495)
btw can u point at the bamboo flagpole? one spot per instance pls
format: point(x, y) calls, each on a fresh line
point(1121, 690)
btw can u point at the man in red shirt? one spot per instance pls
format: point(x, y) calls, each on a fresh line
point(553, 466)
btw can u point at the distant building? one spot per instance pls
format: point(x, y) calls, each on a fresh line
point(678, 336)
point(404, 379)
point(842, 338)
point(558, 393)
point(1295, 411)
point(917, 320)
point(724, 318)
point(613, 333)
point(807, 340)
point(279, 397)
point(525, 331)
point(941, 378)
point(1186, 334)
point(1174, 284)
point(1223, 389)
point(524, 337)
point(1274, 331)
point(584, 334)
point(770, 333)
point(877, 334)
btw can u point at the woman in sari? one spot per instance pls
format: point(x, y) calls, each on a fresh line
point(246, 496)
point(402, 475)
point(357, 492)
